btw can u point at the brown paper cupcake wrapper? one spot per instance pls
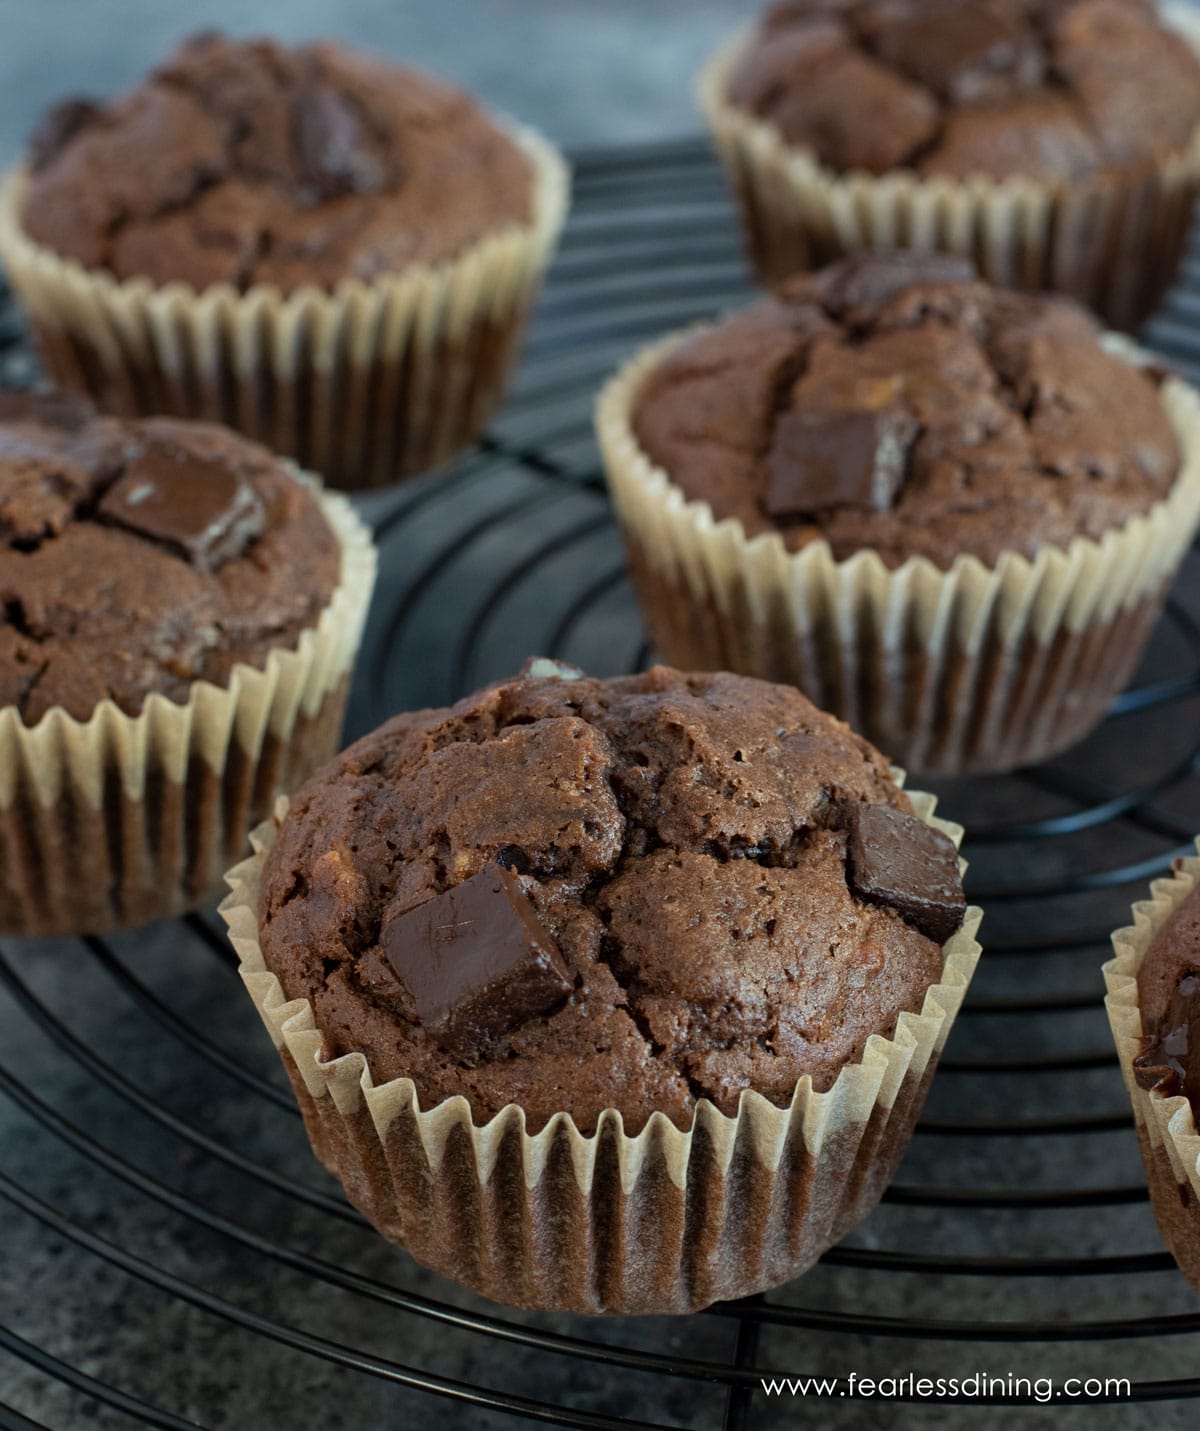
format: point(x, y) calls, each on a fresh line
point(1166, 1129)
point(364, 384)
point(666, 1221)
point(121, 819)
point(977, 668)
point(1113, 243)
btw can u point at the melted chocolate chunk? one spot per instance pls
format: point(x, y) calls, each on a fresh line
point(333, 146)
point(58, 128)
point(203, 510)
point(826, 461)
point(1170, 1058)
point(898, 860)
point(476, 961)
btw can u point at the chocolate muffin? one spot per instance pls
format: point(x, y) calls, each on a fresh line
point(682, 846)
point(245, 162)
point(896, 404)
point(1169, 998)
point(1040, 89)
point(142, 556)
point(880, 484)
point(322, 226)
point(692, 899)
point(1030, 115)
point(1153, 1006)
point(142, 563)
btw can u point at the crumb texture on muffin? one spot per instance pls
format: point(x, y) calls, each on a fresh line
point(895, 403)
point(246, 162)
point(140, 556)
point(683, 842)
point(1052, 90)
point(1169, 997)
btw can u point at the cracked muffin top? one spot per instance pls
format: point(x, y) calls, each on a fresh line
point(1052, 90)
point(892, 402)
point(576, 894)
point(246, 162)
point(1169, 997)
point(142, 556)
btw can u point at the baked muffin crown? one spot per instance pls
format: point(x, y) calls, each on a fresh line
point(140, 556)
point(1054, 90)
point(692, 851)
point(892, 402)
point(248, 162)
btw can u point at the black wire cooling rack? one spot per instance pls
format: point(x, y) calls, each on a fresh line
point(173, 1255)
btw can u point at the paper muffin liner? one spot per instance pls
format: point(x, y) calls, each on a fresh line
point(366, 383)
point(973, 669)
point(120, 819)
point(664, 1221)
point(1114, 243)
point(1170, 1143)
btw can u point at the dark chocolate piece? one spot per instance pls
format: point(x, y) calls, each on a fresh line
point(203, 510)
point(332, 145)
point(1170, 1058)
point(899, 861)
point(476, 961)
point(60, 126)
point(826, 461)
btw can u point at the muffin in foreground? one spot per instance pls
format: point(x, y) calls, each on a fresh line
point(179, 612)
point(608, 996)
point(1055, 143)
point(329, 252)
point(1154, 1008)
point(949, 513)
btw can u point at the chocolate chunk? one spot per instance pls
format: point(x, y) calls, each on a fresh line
point(899, 861)
point(476, 961)
point(333, 146)
point(1170, 1058)
point(58, 128)
point(546, 668)
point(823, 461)
point(203, 510)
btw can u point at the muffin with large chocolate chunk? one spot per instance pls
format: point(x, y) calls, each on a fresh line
point(1064, 133)
point(1154, 1009)
point(368, 232)
point(170, 657)
point(695, 900)
point(949, 513)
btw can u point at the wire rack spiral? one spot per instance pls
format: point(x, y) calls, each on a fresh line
point(175, 1257)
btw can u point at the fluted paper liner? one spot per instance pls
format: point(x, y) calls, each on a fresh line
point(975, 668)
point(363, 383)
point(1113, 242)
point(120, 819)
point(1166, 1129)
point(664, 1221)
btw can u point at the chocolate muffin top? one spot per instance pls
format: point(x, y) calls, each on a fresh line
point(892, 402)
point(576, 894)
point(1169, 996)
point(142, 556)
point(245, 162)
point(1054, 90)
